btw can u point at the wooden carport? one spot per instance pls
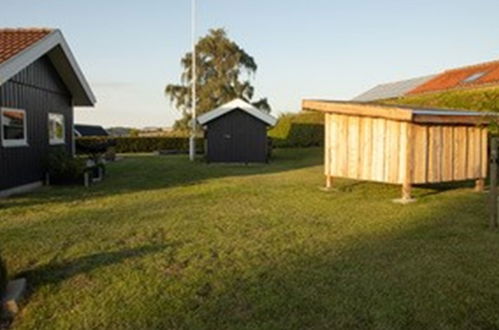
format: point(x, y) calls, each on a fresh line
point(402, 145)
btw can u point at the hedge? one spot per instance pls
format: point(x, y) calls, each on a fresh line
point(303, 129)
point(141, 144)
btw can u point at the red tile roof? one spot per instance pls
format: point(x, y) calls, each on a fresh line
point(14, 41)
point(485, 73)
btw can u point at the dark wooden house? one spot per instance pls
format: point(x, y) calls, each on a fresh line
point(40, 83)
point(236, 132)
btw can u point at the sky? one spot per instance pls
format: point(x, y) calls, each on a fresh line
point(130, 50)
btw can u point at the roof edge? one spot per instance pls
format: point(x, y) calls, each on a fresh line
point(233, 105)
point(44, 46)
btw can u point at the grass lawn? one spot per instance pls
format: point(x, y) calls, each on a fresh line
point(163, 243)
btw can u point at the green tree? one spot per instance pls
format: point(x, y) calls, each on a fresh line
point(223, 71)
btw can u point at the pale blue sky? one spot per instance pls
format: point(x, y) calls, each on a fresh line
point(130, 49)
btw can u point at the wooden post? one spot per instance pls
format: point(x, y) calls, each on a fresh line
point(406, 191)
point(407, 184)
point(329, 181)
point(480, 185)
point(494, 157)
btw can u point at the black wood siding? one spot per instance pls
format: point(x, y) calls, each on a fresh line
point(236, 137)
point(39, 91)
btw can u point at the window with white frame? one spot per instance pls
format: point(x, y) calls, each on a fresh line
point(13, 127)
point(56, 128)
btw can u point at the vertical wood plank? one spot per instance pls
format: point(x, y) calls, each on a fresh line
point(333, 144)
point(327, 144)
point(470, 157)
point(392, 151)
point(367, 148)
point(343, 145)
point(478, 156)
point(435, 154)
point(378, 155)
point(404, 142)
point(447, 152)
point(353, 147)
point(409, 164)
point(420, 145)
point(460, 153)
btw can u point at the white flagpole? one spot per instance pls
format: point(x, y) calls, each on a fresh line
point(192, 140)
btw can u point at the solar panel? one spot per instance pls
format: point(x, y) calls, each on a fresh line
point(475, 76)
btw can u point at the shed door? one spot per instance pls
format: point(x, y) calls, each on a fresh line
point(237, 137)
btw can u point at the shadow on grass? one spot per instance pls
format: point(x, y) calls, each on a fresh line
point(439, 271)
point(147, 172)
point(54, 273)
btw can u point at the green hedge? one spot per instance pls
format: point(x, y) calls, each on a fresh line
point(3, 278)
point(143, 144)
point(303, 129)
point(481, 99)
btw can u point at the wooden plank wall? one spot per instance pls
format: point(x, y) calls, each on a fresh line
point(376, 149)
point(365, 148)
point(449, 153)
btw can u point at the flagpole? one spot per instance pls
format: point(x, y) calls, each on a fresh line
point(192, 140)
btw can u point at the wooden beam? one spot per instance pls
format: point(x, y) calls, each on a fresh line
point(450, 120)
point(367, 110)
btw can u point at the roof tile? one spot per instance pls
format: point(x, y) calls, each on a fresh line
point(456, 78)
point(14, 41)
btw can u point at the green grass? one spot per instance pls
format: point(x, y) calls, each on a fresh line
point(166, 244)
point(478, 99)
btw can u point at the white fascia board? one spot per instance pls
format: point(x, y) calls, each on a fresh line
point(233, 105)
point(14, 65)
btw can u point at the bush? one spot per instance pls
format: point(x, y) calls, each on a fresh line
point(304, 129)
point(144, 144)
point(63, 168)
point(3, 278)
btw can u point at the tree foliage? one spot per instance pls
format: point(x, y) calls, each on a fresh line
point(223, 71)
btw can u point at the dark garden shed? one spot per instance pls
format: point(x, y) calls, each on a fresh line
point(40, 83)
point(236, 132)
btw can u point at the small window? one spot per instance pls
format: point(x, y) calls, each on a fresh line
point(56, 128)
point(14, 132)
point(474, 77)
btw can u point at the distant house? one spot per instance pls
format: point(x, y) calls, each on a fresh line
point(236, 132)
point(468, 77)
point(391, 90)
point(479, 75)
point(81, 130)
point(40, 83)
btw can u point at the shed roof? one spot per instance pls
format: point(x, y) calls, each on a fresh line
point(21, 47)
point(400, 113)
point(237, 104)
point(392, 90)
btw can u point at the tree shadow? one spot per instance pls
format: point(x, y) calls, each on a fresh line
point(57, 272)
